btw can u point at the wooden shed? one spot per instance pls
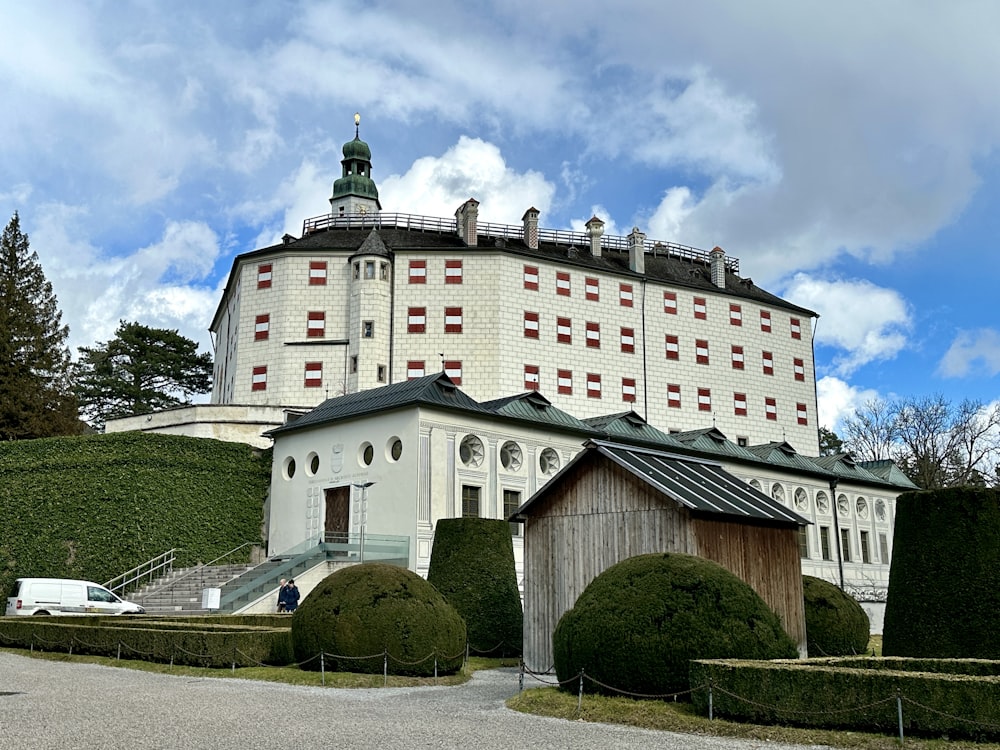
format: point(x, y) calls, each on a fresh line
point(615, 501)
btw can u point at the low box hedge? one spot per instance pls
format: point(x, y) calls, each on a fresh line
point(149, 639)
point(957, 697)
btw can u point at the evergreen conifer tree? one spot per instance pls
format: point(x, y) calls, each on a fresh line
point(36, 398)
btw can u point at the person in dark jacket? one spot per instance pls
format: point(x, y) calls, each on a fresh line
point(291, 595)
point(281, 595)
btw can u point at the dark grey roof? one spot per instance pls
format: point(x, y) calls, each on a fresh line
point(631, 426)
point(701, 486)
point(435, 390)
point(888, 471)
point(532, 406)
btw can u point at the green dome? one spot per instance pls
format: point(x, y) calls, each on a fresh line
point(357, 149)
point(355, 184)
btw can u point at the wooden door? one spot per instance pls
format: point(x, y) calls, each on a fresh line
point(338, 514)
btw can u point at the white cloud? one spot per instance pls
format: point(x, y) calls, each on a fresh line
point(838, 399)
point(972, 352)
point(472, 168)
point(867, 322)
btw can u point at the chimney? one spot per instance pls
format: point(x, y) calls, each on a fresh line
point(595, 228)
point(466, 217)
point(530, 220)
point(637, 251)
point(717, 259)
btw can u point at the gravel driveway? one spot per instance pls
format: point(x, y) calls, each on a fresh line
point(46, 704)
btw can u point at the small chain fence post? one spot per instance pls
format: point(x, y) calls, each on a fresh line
point(119, 650)
point(899, 713)
point(385, 667)
point(435, 667)
point(520, 676)
point(322, 668)
point(710, 707)
point(71, 646)
point(234, 660)
point(579, 698)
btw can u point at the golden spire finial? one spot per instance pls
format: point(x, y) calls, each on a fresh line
point(357, 122)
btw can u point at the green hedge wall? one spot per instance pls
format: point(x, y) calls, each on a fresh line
point(956, 697)
point(150, 639)
point(943, 594)
point(94, 506)
point(472, 564)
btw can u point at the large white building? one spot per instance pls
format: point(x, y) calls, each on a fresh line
point(598, 323)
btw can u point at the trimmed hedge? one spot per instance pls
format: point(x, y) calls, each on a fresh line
point(94, 506)
point(373, 609)
point(943, 594)
point(152, 639)
point(472, 564)
point(637, 625)
point(836, 625)
point(952, 697)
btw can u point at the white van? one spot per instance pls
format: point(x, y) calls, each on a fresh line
point(58, 596)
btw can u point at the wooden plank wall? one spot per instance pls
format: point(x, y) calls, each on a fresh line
point(601, 514)
point(767, 558)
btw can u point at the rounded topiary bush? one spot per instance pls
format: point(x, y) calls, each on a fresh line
point(366, 609)
point(639, 623)
point(472, 564)
point(836, 625)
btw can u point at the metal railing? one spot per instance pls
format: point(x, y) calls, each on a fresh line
point(344, 548)
point(150, 570)
point(656, 248)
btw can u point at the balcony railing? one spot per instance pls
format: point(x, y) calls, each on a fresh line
point(415, 222)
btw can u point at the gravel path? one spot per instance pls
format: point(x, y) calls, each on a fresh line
point(46, 704)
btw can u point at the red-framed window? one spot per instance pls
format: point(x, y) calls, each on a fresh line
point(316, 324)
point(593, 385)
point(737, 357)
point(670, 303)
point(453, 320)
point(531, 377)
point(415, 369)
point(593, 335)
point(261, 327)
point(701, 351)
point(453, 272)
point(416, 320)
point(258, 380)
point(592, 289)
point(314, 375)
point(628, 340)
point(317, 273)
point(453, 369)
point(765, 321)
point(264, 273)
point(673, 396)
point(771, 408)
point(531, 277)
point(796, 327)
point(564, 331)
point(735, 315)
point(564, 382)
point(628, 390)
point(673, 347)
point(704, 399)
point(562, 283)
point(625, 295)
point(740, 404)
point(418, 272)
point(801, 414)
point(530, 325)
point(700, 308)
point(767, 361)
point(800, 368)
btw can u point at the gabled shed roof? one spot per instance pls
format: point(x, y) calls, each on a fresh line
point(700, 486)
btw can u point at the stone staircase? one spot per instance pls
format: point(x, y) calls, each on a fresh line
point(180, 591)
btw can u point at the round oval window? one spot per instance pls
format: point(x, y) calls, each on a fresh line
point(289, 467)
point(368, 454)
point(314, 464)
point(396, 449)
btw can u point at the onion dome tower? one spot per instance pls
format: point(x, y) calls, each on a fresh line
point(355, 192)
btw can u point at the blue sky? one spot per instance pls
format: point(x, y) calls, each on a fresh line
point(845, 152)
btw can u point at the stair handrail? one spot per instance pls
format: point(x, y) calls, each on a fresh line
point(162, 563)
point(200, 568)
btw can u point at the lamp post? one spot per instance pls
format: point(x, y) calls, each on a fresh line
point(363, 486)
